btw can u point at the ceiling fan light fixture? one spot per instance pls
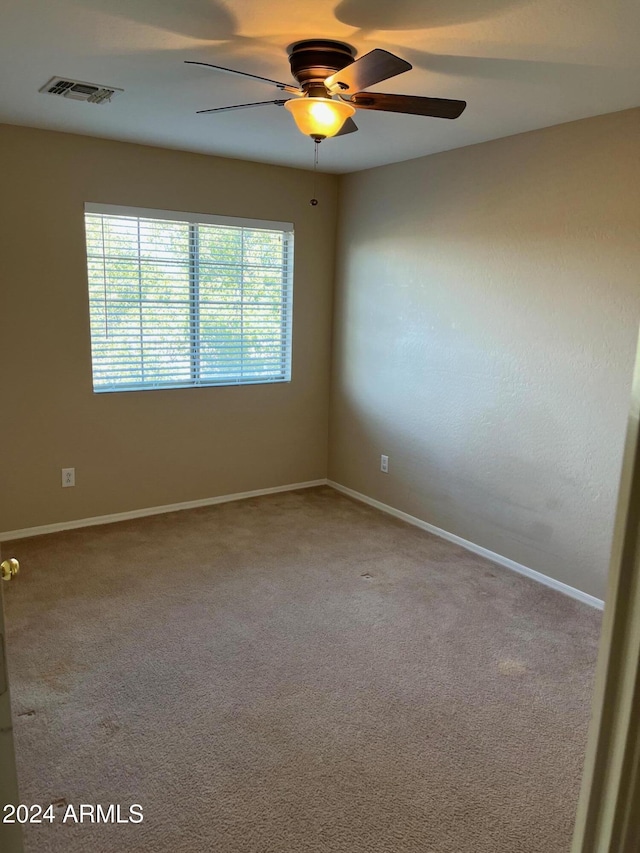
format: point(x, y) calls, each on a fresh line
point(319, 118)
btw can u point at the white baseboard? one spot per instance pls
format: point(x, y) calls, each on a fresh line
point(584, 597)
point(26, 532)
point(56, 527)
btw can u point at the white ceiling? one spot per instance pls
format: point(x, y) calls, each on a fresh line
point(520, 64)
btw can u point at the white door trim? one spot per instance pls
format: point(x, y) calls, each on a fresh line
point(607, 819)
point(10, 834)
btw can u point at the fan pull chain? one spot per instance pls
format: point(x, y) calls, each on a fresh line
point(314, 200)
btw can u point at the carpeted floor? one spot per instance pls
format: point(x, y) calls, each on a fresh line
point(294, 674)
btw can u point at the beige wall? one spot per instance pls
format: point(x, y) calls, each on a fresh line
point(485, 323)
point(141, 449)
point(486, 316)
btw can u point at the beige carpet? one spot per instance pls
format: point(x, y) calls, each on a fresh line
point(295, 673)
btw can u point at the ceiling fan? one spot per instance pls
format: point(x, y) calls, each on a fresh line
point(332, 86)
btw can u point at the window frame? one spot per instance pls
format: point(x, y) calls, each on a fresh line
point(195, 219)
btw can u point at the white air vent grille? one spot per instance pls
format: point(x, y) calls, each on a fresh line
point(79, 91)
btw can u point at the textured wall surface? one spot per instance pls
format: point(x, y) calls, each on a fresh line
point(140, 449)
point(486, 318)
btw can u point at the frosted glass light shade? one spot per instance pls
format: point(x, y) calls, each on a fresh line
point(319, 117)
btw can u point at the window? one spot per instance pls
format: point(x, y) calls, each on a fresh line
point(179, 300)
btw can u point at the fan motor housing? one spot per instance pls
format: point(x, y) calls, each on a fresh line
point(314, 60)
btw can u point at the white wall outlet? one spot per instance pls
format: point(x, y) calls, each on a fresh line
point(68, 477)
point(384, 464)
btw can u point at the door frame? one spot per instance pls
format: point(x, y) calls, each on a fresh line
point(610, 794)
point(10, 834)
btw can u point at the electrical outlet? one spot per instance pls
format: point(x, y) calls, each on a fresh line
point(384, 464)
point(68, 477)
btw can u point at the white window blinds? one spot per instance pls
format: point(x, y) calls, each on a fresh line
point(180, 300)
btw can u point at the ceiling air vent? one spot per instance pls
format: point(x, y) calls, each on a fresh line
point(80, 91)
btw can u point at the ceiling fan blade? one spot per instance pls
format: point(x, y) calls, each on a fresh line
point(372, 68)
point(348, 127)
point(410, 104)
point(284, 86)
point(242, 106)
